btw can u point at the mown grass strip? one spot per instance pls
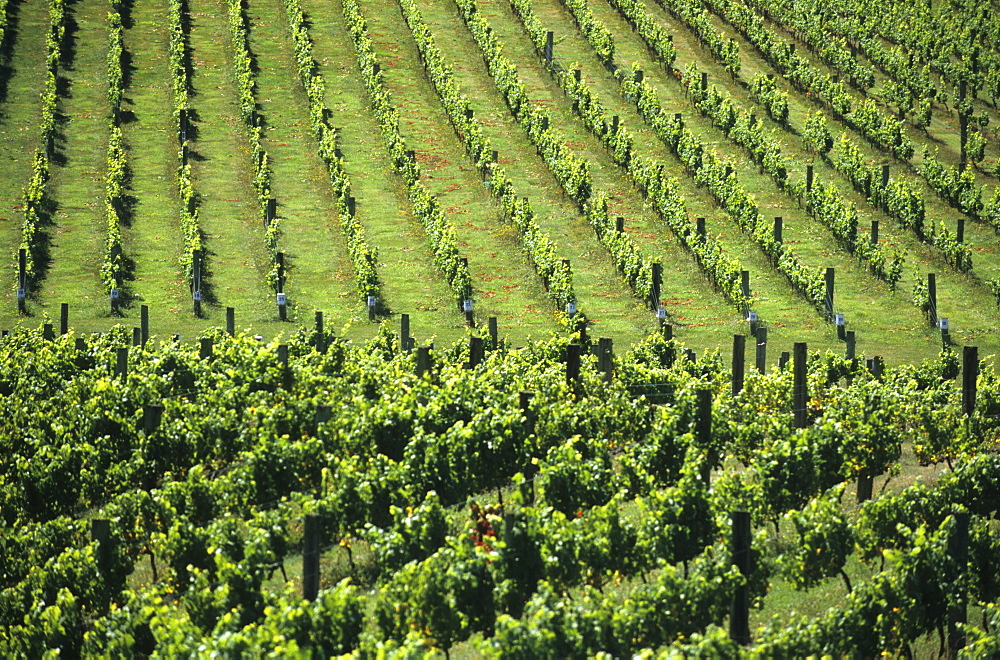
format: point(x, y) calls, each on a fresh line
point(22, 81)
point(471, 187)
point(317, 264)
point(410, 281)
point(156, 241)
point(79, 167)
point(229, 212)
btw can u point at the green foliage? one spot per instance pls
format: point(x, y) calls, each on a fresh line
point(823, 543)
point(416, 533)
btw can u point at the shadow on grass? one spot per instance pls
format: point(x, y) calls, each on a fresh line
point(67, 49)
point(7, 48)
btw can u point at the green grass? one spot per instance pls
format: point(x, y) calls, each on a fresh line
point(230, 216)
point(776, 301)
point(77, 185)
point(886, 322)
point(602, 295)
point(319, 269)
point(319, 272)
point(154, 240)
point(411, 283)
point(505, 283)
point(955, 291)
point(24, 77)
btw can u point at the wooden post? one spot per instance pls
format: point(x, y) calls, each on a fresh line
point(423, 360)
point(932, 298)
point(151, 417)
point(286, 373)
point(475, 352)
point(404, 332)
point(121, 362)
point(573, 364)
point(467, 308)
point(783, 360)
point(638, 76)
point(700, 228)
point(548, 47)
point(739, 612)
point(739, 359)
point(960, 230)
point(279, 262)
point(761, 349)
point(524, 402)
point(703, 430)
point(371, 302)
point(958, 550)
point(829, 293)
point(704, 81)
point(657, 285)
point(323, 414)
point(777, 229)
point(619, 224)
point(100, 533)
point(745, 283)
point(841, 327)
point(205, 348)
point(606, 363)
point(963, 123)
point(143, 325)
point(351, 205)
point(137, 336)
point(320, 338)
point(491, 324)
point(196, 281)
point(230, 321)
point(874, 232)
point(866, 485)
point(970, 374)
point(310, 558)
point(270, 211)
point(885, 177)
point(809, 178)
point(799, 384)
point(48, 332)
point(64, 318)
point(851, 345)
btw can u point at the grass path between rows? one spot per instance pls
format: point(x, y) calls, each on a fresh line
point(229, 214)
point(506, 284)
point(79, 231)
point(154, 241)
point(23, 78)
point(319, 271)
point(775, 301)
point(968, 303)
point(412, 284)
point(601, 293)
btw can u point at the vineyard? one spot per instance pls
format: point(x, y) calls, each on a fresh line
point(319, 498)
point(423, 327)
point(561, 166)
